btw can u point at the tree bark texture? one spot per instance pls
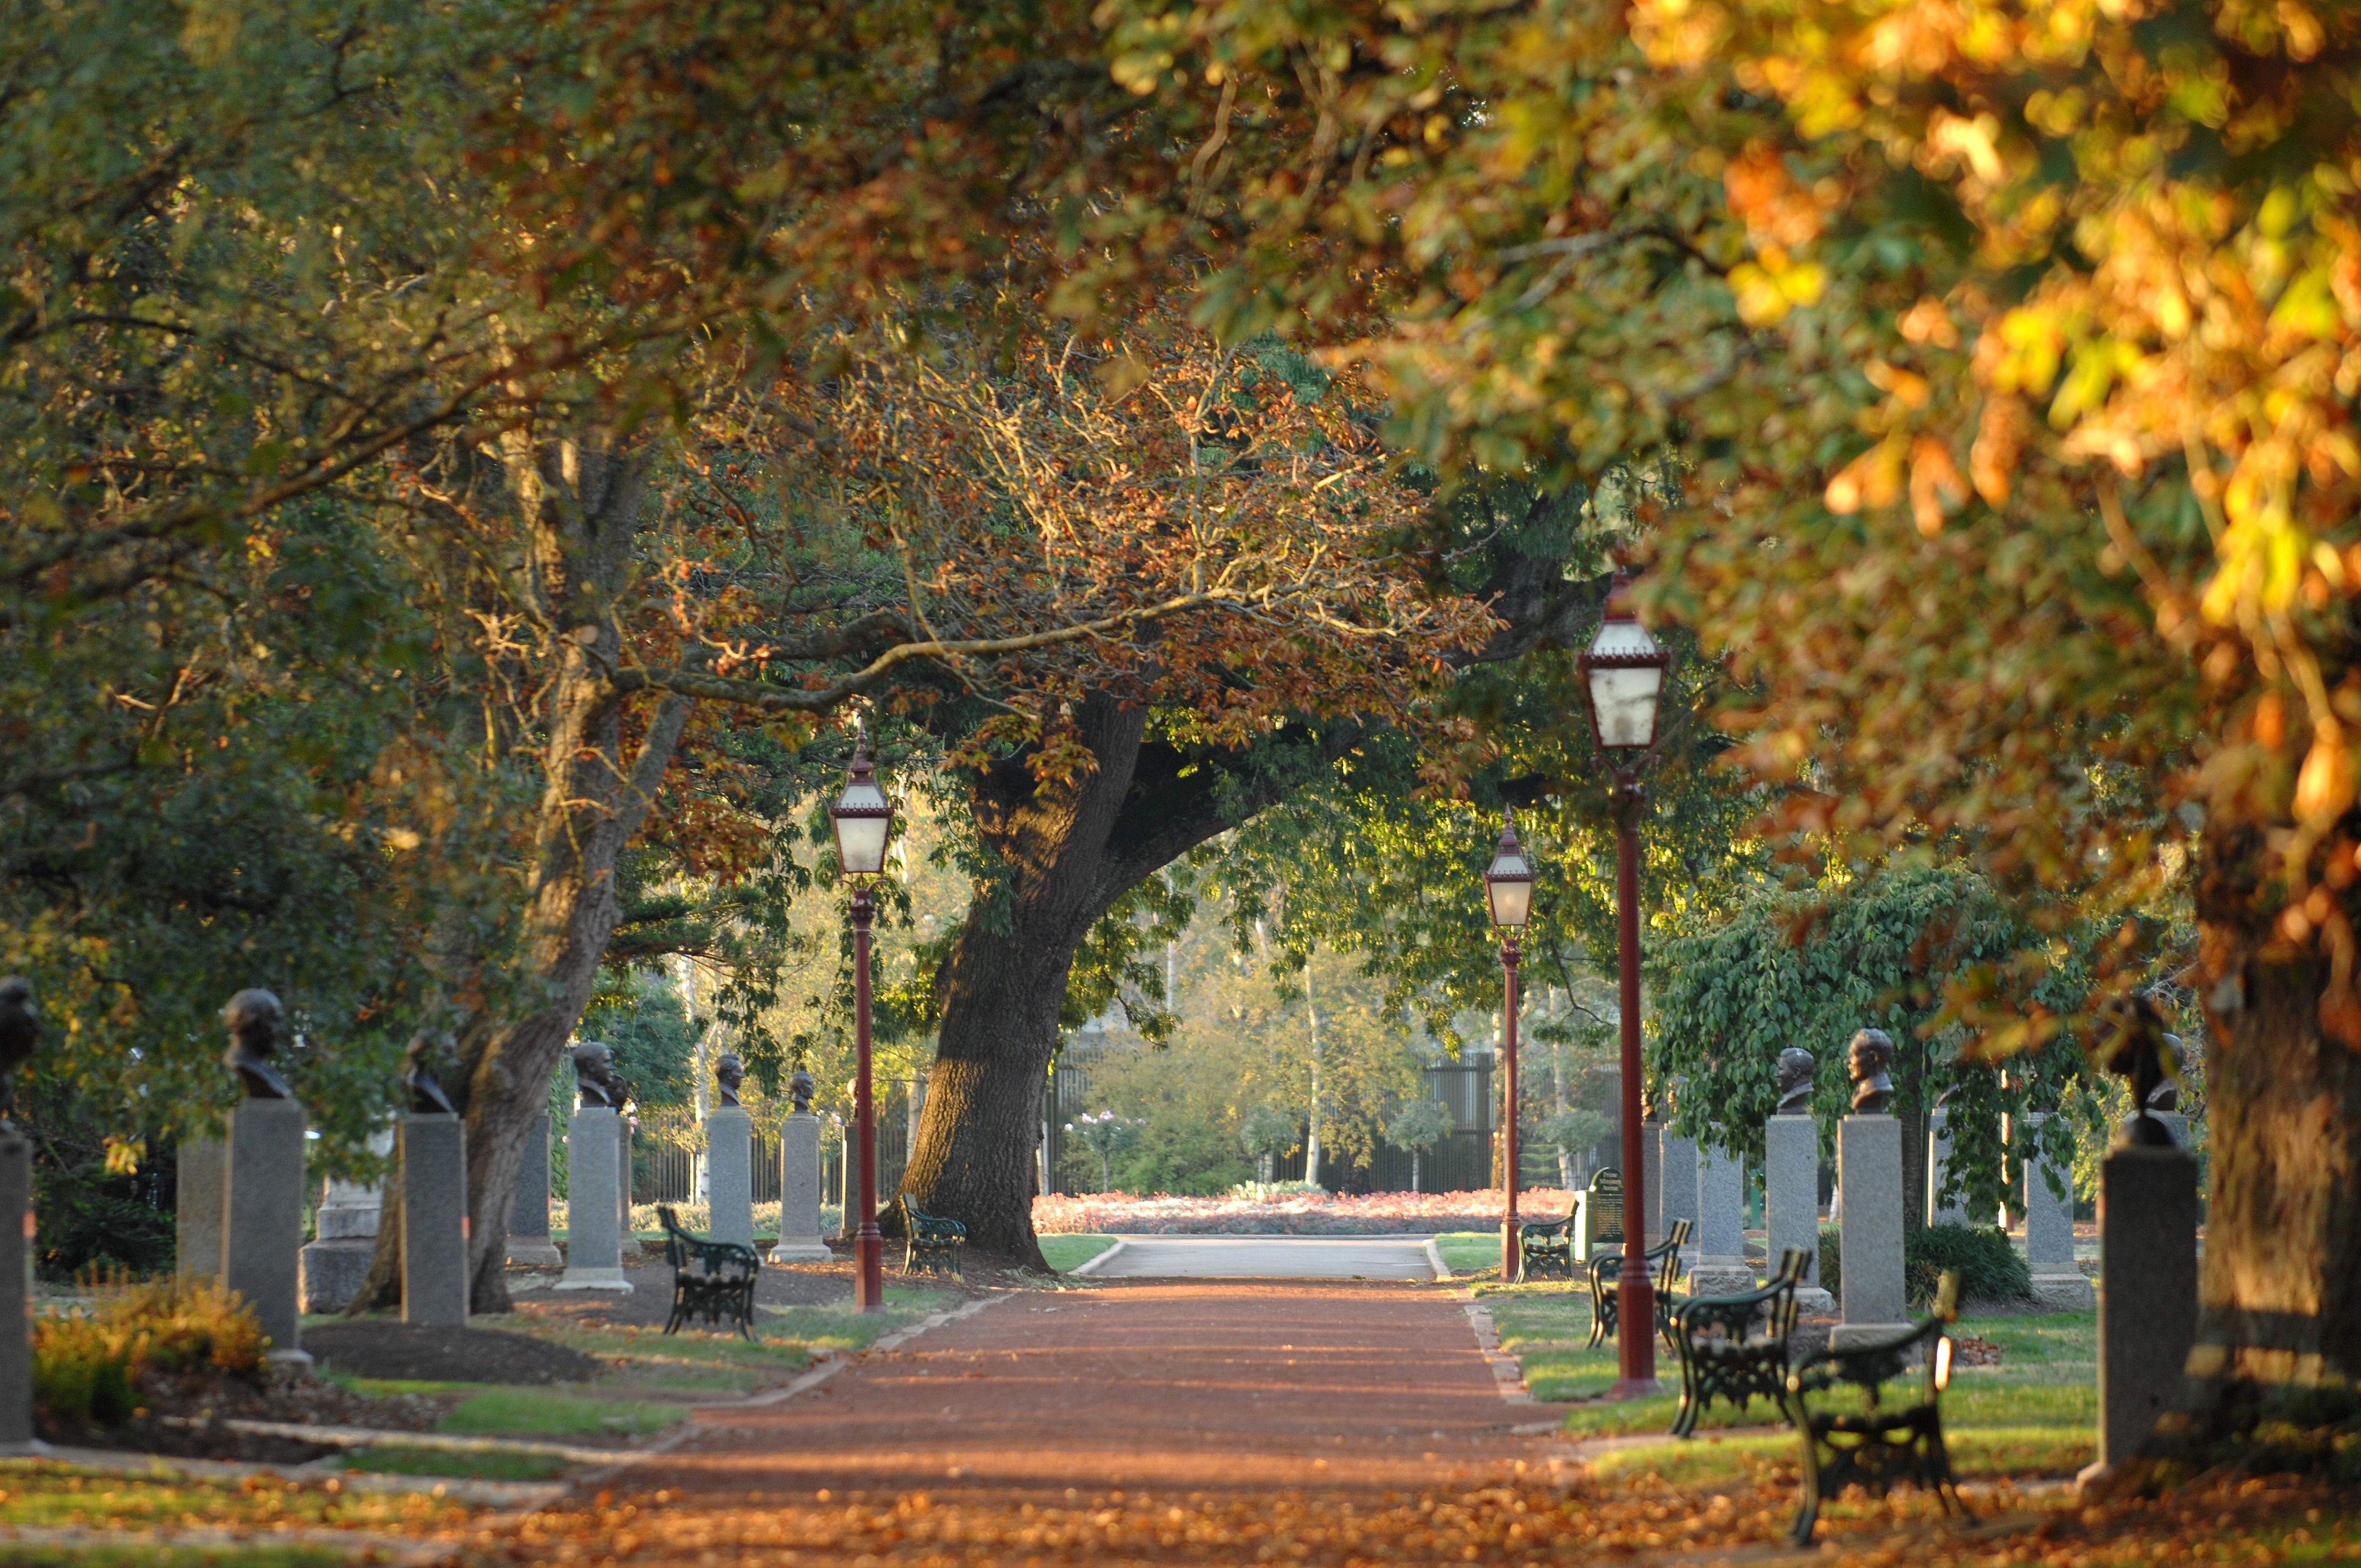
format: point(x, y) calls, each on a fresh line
point(2281, 1284)
point(582, 503)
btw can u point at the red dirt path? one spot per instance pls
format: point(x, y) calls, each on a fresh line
point(1164, 1384)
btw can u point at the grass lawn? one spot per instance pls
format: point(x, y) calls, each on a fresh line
point(38, 1493)
point(647, 1372)
point(146, 1556)
point(2032, 1415)
point(1469, 1252)
point(388, 1460)
point(1067, 1253)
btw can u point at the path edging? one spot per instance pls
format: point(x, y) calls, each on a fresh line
point(1505, 1370)
point(1099, 1260)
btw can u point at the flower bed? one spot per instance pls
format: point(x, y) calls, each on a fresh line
point(1379, 1213)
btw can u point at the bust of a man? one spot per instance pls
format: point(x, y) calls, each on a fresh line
point(426, 1096)
point(21, 1031)
point(2136, 1053)
point(1795, 1069)
point(1867, 1059)
point(729, 1072)
point(253, 1018)
point(801, 1087)
point(594, 1077)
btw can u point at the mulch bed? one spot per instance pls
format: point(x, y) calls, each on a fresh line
point(367, 1348)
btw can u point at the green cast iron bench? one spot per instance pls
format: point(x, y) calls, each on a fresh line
point(1606, 1268)
point(1722, 1355)
point(713, 1280)
point(1877, 1446)
point(1547, 1245)
point(935, 1243)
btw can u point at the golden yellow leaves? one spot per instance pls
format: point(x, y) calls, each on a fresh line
point(2324, 789)
point(1781, 216)
point(1773, 284)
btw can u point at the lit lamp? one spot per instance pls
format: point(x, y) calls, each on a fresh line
point(863, 820)
point(1623, 677)
point(1509, 889)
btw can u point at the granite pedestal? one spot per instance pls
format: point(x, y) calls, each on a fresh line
point(15, 1303)
point(334, 1265)
point(594, 1258)
point(1940, 1212)
point(626, 1244)
point(1791, 1201)
point(1869, 1168)
point(2147, 1293)
point(730, 1174)
point(1721, 1267)
point(1679, 1176)
point(2058, 1282)
point(434, 1154)
point(202, 1179)
point(529, 1241)
point(262, 1218)
point(799, 1191)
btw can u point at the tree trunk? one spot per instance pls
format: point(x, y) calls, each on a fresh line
point(582, 507)
point(2281, 1287)
point(1069, 850)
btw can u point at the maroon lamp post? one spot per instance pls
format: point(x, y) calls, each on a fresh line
point(1509, 889)
point(1623, 676)
point(863, 818)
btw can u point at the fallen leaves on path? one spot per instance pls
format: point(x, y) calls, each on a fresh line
point(1520, 1520)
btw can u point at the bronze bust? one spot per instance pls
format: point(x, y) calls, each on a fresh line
point(20, 1030)
point(594, 1077)
point(801, 1087)
point(1866, 1060)
point(1795, 1069)
point(729, 1072)
point(426, 1096)
point(2136, 1052)
point(2166, 1096)
point(253, 1018)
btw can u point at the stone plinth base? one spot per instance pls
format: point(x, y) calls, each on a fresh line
point(16, 1277)
point(594, 1280)
point(1811, 1301)
point(534, 1252)
point(1844, 1336)
point(2147, 1308)
point(1721, 1279)
point(2065, 1292)
point(434, 1220)
point(262, 1215)
point(801, 1249)
point(332, 1272)
point(1791, 1191)
point(1869, 1168)
point(595, 1247)
point(729, 1175)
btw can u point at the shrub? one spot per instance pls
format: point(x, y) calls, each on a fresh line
point(88, 1369)
point(1988, 1267)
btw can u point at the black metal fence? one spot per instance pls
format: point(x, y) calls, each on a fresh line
point(666, 1173)
point(1462, 1162)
